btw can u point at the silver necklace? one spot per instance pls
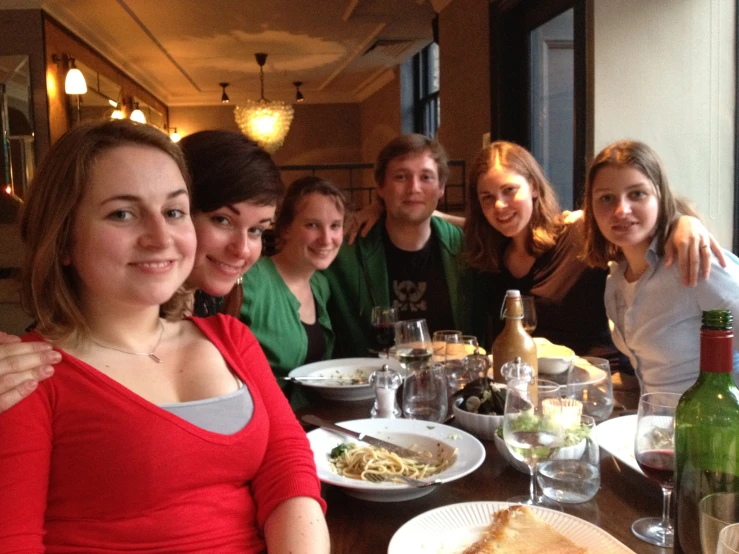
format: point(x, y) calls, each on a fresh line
point(150, 354)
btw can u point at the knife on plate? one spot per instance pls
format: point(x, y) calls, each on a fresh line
point(423, 457)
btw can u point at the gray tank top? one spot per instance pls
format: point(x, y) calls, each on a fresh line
point(227, 414)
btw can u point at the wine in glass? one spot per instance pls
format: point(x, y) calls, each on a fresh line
point(383, 328)
point(532, 429)
point(655, 453)
point(529, 314)
point(413, 346)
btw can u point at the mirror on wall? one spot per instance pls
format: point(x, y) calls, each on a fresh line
point(101, 99)
point(17, 159)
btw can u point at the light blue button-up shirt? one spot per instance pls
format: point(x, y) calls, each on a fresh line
point(660, 331)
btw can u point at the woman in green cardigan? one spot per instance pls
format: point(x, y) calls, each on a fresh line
point(285, 296)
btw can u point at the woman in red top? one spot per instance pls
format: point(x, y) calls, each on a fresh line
point(156, 434)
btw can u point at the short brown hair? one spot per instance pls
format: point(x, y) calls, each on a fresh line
point(295, 196)
point(228, 168)
point(484, 244)
point(412, 144)
point(49, 290)
point(598, 251)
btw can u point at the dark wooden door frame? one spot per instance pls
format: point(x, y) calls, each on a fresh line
point(510, 23)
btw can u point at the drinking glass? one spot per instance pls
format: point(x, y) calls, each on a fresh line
point(413, 346)
point(717, 511)
point(529, 314)
point(458, 347)
point(728, 540)
point(532, 429)
point(383, 328)
point(572, 476)
point(589, 381)
point(655, 453)
point(440, 339)
point(425, 393)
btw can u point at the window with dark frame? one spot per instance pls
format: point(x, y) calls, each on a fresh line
point(426, 110)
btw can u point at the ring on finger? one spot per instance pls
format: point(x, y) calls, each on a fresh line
point(704, 245)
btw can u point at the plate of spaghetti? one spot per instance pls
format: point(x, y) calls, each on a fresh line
point(349, 463)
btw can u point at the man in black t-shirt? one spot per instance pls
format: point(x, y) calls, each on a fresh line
point(409, 260)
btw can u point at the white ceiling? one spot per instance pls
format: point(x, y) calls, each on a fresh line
point(181, 49)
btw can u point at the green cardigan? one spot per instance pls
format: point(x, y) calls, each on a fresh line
point(358, 280)
point(271, 312)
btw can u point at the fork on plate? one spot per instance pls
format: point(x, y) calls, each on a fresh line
point(381, 477)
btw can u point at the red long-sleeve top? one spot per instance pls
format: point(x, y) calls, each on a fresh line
point(86, 465)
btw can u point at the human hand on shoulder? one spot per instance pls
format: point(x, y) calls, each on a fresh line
point(22, 366)
point(364, 220)
point(571, 217)
point(693, 244)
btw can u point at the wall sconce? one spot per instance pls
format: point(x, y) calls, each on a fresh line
point(75, 82)
point(299, 98)
point(137, 115)
point(174, 135)
point(224, 97)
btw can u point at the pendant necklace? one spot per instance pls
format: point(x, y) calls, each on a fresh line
point(150, 354)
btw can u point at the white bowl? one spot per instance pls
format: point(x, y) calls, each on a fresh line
point(565, 453)
point(481, 425)
point(347, 369)
point(553, 359)
point(434, 437)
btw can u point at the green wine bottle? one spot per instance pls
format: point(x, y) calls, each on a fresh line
point(706, 431)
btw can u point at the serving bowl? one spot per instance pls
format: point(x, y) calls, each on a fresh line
point(483, 426)
point(439, 439)
point(553, 359)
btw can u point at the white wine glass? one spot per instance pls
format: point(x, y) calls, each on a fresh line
point(654, 448)
point(413, 346)
point(533, 429)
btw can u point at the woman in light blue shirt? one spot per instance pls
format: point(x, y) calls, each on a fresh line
point(655, 320)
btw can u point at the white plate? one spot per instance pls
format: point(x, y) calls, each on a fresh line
point(616, 436)
point(450, 529)
point(426, 435)
point(346, 368)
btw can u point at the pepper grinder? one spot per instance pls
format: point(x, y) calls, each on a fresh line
point(517, 370)
point(385, 381)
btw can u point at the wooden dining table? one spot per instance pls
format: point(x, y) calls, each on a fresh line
point(364, 527)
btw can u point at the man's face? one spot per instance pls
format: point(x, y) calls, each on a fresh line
point(411, 189)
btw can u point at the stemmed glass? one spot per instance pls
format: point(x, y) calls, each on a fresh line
point(529, 314)
point(383, 327)
point(413, 346)
point(589, 381)
point(533, 429)
point(655, 453)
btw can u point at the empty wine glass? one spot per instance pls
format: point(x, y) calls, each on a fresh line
point(655, 453)
point(589, 381)
point(413, 346)
point(532, 429)
point(383, 328)
point(458, 347)
point(529, 314)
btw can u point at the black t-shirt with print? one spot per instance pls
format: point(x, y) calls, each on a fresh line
point(418, 287)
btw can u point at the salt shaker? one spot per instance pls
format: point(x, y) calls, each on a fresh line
point(385, 381)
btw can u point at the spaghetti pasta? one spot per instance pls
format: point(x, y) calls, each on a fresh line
point(357, 462)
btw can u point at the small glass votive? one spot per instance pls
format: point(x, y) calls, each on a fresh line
point(572, 475)
point(717, 510)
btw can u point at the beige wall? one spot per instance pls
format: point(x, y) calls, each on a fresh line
point(380, 119)
point(664, 74)
point(320, 133)
point(464, 62)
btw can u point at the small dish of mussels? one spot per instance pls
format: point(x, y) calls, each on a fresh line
point(479, 407)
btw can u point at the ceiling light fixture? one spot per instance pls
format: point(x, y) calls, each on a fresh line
point(265, 122)
point(137, 115)
point(74, 83)
point(299, 98)
point(224, 97)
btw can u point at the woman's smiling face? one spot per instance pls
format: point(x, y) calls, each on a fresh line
point(507, 200)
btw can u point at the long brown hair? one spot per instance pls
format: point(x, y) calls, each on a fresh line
point(598, 251)
point(483, 243)
point(49, 289)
